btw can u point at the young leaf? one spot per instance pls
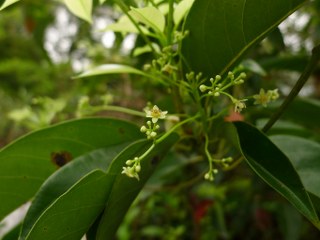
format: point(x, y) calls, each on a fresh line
point(274, 168)
point(59, 182)
point(150, 16)
point(27, 162)
point(124, 189)
point(221, 32)
point(124, 25)
point(71, 215)
point(80, 8)
point(7, 3)
point(181, 10)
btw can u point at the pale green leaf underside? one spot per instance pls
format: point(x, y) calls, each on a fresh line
point(80, 8)
point(7, 3)
point(150, 16)
point(180, 10)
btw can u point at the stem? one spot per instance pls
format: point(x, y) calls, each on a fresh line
point(210, 160)
point(315, 57)
point(124, 8)
point(170, 22)
point(175, 127)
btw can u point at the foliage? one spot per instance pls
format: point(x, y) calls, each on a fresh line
point(215, 95)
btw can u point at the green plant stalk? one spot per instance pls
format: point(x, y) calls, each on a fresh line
point(170, 22)
point(164, 136)
point(124, 8)
point(315, 57)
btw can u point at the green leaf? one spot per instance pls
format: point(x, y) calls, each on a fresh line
point(7, 3)
point(125, 189)
point(124, 25)
point(72, 214)
point(221, 32)
point(111, 69)
point(80, 8)
point(305, 111)
point(274, 168)
point(181, 10)
point(150, 16)
point(26, 163)
point(304, 155)
point(59, 182)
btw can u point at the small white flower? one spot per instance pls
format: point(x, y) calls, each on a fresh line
point(239, 105)
point(155, 113)
point(262, 98)
point(130, 172)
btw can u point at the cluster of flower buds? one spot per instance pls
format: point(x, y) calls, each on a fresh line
point(224, 162)
point(133, 168)
point(219, 85)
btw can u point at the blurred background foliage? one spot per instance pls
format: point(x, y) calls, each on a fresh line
point(42, 46)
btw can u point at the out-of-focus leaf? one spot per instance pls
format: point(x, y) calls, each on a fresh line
point(150, 16)
point(305, 111)
point(59, 182)
point(124, 25)
point(124, 189)
point(253, 66)
point(80, 8)
point(286, 127)
point(6, 3)
point(71, 215)
point(293, 63)
point(304, 155)
point(111, 69)
point(275, 168)
point(27, 162)
point(221, 32)
point(181, 10)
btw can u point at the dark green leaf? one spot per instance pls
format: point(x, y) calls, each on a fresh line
point(275, 168)
point(221, 32)
point(26, 163)
point(59, 182)
point(124, 189)
point(71, 215)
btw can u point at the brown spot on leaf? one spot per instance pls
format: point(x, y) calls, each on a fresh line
point(61, 158)
point(155, 160)
point(121, 131)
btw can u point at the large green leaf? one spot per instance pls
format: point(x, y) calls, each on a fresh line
point(124, 190)
point(59, 182)
point(26, 163)
point(80, 8)
point(72, 214)
point(304, 155)
point(222, 31)
point(275, 168)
